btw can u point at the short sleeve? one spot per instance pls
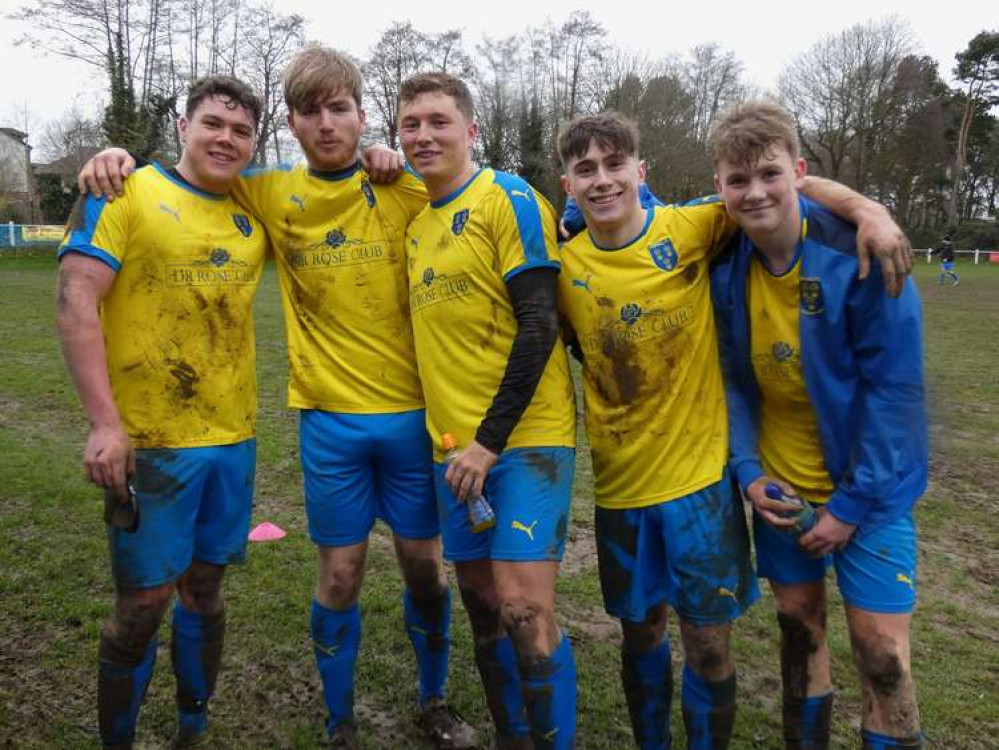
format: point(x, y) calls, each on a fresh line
point(523, 225)
point(99, 229)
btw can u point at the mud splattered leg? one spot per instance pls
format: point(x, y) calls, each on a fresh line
point(708, 694)
point(804, 661)
point(196, 645)
point(647, 675)
point(427, 611)
point(495, 655)
point(544, 654)
point(881, 654)
point(127, 656)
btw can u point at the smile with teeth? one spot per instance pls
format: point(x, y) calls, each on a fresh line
point(604, 199)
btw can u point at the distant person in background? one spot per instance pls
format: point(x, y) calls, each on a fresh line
point(946, 251)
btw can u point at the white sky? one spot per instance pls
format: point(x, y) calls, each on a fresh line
point(763, 35)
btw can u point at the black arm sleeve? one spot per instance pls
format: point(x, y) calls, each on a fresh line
point(139, 161)
point(532, 294)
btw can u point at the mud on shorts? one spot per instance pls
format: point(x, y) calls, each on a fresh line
point(530, 490)
point(691, 552)
point(359, 467)
point(194, 504)
point(876, 571)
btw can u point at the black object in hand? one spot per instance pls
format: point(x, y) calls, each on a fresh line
point(121, 513)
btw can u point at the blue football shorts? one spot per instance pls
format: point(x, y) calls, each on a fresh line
point(947, 265)
point(359, 467)
point(691, 552)
point(876, 571)
point(194, 504)
point(530, 490)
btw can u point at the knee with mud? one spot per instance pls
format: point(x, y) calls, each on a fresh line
point(340, 585)
point(708, 652)
point(200, 589)
point(879, 664)
point(424, 578)
point(647, 635)
point(483, 616)
point(532, 629)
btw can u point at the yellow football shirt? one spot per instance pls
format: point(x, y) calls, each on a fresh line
point(460, 251)
point(788, 437)
point(652, 385)
point(338, 242)
point(178, 320)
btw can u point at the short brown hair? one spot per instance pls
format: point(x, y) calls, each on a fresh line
point(237, 92)
point(611, 130)
point(437, 82)
point(745, 132)
point(318, 71)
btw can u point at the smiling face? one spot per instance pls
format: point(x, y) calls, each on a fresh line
point(218, 139)
point(436, 138)
point(329, 130)
point(604, 183)
point(762, 195)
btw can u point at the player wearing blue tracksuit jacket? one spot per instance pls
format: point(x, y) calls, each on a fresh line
point(824, 384)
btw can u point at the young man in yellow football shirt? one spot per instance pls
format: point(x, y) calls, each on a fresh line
point(482, 280)
point(154, 313)
point(634, 293)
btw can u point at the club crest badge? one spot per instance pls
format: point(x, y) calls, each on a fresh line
point(630, 313)
point(459, 221)
point(782, 351)
point(664, 255)
point(810, 291)
point(242, 222)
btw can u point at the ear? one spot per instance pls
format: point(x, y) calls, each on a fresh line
point(643, 169)
point(362, 116)
point(800, 172)
point(718, 184)
point(291, 122)
point(473, 131)
point(182, 126)
point(566, 186)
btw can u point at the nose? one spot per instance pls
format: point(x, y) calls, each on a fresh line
point(422, 133)
point(601, 176)
point(755, 191)
point(325, 119)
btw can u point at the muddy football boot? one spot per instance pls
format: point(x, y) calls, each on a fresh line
point(445, 727)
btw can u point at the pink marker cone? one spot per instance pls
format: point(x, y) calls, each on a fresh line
point(266, 532)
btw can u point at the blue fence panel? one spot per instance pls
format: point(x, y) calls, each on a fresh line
point(29, 235)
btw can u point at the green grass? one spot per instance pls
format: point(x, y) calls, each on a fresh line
point(55, 584)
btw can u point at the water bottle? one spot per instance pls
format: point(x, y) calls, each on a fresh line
point(480, 512)
point(797, 508)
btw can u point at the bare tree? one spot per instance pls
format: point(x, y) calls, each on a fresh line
point(714, 78)
point(837, 91)
point(497, 100)
point(400, 52)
